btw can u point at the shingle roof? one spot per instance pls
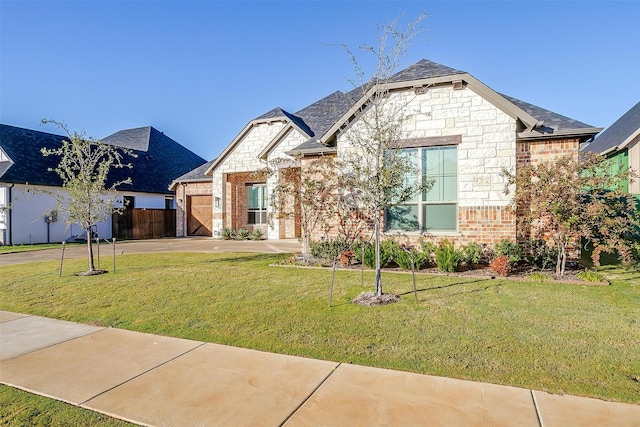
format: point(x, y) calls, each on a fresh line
point(160, 158)
point(195, 175)
point(423, 69)
point(322, 114)
point(28, 164)
point(627, 126)
point(551, 120)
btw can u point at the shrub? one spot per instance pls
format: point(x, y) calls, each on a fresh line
point(228, 233)
point(472, 253)
point(242, 234)
point(509, 249)
point(542, 255)
point(590, 276)
point(448, 258)
point(256, 234)
point(369, 260)
point(539, 277)
point(427, 252)
point(501, 265)
point(328, 249)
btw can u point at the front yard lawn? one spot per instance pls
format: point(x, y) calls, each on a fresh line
point(574, 339)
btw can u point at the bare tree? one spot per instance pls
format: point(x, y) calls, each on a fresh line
point(84, 169)
point(376, 167)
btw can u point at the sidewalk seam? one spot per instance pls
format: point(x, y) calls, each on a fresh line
point(535, 406)
point(140, 374)
point(309, 396)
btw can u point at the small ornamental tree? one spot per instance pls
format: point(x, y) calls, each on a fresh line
point(84, 168)
point(303, 193)
point(569, 199)
point(374, 164)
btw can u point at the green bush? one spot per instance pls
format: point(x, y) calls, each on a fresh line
point(256, 234)
point(539, 277)
point(472, 253)
point(509, 249)
point(328, 249)
point(448, 258)
point(228, 233)
point(590, 276)
point(369, 260)
point(542, 255)
point(242, 234)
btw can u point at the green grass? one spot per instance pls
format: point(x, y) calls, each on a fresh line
point(20, 408)
point(572, 339)
point(38, 247)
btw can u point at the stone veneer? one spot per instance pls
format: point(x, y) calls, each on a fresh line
point(488, 145)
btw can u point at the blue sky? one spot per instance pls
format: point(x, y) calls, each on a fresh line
point(201, 70)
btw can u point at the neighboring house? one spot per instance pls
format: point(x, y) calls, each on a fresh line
point(194, 202)
point(461, 133)
point(620, 143)
point(150, 206)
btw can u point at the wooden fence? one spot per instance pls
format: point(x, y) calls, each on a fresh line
point(144, 224)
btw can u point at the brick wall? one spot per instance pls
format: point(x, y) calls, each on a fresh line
point(236, 203)
point(541, 151)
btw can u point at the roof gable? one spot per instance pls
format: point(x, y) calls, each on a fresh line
point(619, 134)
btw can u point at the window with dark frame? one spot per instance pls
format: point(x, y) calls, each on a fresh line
point(435, 209)
point(257, 204)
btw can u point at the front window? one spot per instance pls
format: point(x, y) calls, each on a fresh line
point(435, 209)
point(257, 202)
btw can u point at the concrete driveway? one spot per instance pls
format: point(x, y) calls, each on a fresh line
point(186, 244)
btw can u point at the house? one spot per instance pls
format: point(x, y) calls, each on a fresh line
point(29, 216)
point(620, 143)
point(461, 133)
point(194, 203)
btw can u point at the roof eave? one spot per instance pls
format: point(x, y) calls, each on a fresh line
point(562, 133)
point(312, 151)
point(185, 181)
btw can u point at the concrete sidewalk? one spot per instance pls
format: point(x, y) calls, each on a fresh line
point(160, 381)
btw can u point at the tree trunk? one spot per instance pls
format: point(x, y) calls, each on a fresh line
point(377, 243)
point(306, 245)
point(90, 250)
point(559, 260)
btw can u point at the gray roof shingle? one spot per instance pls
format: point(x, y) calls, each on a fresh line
point(196, 175)
point(551, 120)
point(159, 158)
point(423, 69)
point(618, 132)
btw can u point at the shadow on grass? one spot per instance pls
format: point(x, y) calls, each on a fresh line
point(450, 285)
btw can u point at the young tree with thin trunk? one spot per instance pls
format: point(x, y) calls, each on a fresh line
point(303, 193)
point(374, 163)
point(570, 199)
point(84, 169)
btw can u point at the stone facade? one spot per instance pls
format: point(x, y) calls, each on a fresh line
point(487, 146)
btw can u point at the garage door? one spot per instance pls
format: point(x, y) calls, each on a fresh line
point(199, 216)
